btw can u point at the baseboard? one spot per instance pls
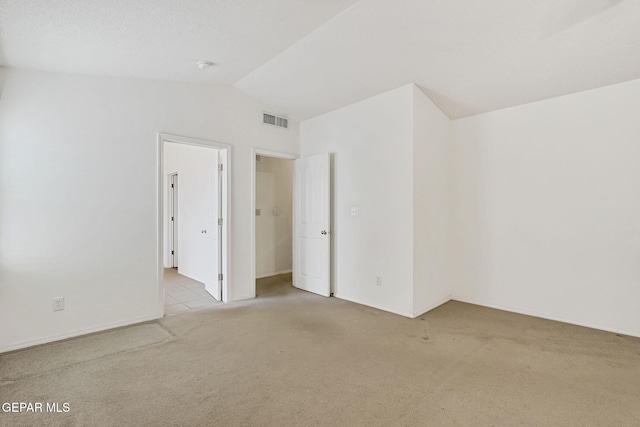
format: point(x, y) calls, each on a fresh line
point(76, 333)
point(274, 274)
point(242, 297)
point(545, 316)
point(372, 305)
point(422, 311)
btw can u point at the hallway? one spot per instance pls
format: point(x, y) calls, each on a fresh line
point(183, 294)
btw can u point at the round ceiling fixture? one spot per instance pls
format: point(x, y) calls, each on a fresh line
point(203, 65)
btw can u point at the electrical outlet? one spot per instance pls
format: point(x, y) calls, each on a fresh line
point(378, 280)
point(58, 303)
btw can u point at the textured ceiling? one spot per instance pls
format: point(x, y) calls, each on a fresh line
point(307, 57)
point(159, 39)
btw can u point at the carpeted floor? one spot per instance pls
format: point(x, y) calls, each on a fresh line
point(290, 358)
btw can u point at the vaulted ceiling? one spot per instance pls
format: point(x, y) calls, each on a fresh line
point(307, 57)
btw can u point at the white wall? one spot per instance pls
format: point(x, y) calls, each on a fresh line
point(197, 170)
point(532, 209)
point(547, 208)
point(78, 195)
point(274, 190)
point(372, 143)
point(431, 204)
point(544, 200)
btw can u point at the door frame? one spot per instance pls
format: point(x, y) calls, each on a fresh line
point(225, 161)
point(173, 212)
point(267, 153)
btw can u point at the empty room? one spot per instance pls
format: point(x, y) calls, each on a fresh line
point(336, 212)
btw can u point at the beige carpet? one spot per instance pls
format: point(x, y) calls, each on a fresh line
point(20, 365)
point(290, 358)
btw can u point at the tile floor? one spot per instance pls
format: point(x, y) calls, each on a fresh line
point(182, 293)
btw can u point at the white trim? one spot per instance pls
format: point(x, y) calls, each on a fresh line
point(76, 333)
point(268, 153)
point(225, 159)
point(546, 316)
point(271, 153)
point(160, 228)
point(400, 313)
point(243, 297)
point(422, 311)
point(173, 246)
point(373, 305)
point(275, 273)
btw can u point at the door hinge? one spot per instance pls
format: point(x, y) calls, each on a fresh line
point(220, 221)
point(171, 218)
point(171, 185)
point(171, 252)
point(220, 167)
point(220, 277)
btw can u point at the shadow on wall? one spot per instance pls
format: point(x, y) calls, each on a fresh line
point(470, 237)
point(450, 107)
point(3, 75)
point(3, 64)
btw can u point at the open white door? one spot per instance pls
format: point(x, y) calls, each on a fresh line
point(312, 249)
point(213, 233)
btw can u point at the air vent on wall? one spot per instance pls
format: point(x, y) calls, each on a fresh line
point(273, 120)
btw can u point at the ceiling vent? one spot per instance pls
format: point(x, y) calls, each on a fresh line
point(273, 120)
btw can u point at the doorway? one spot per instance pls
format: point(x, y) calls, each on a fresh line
point(272, 209)
point(273, 223)
point(311, 220)
point(193, 223)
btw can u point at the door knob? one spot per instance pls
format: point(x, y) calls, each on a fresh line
point(323, 232)
point(203, 231)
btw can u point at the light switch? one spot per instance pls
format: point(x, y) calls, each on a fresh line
point(257, 212)
point(354, 211)
point(276, 211)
